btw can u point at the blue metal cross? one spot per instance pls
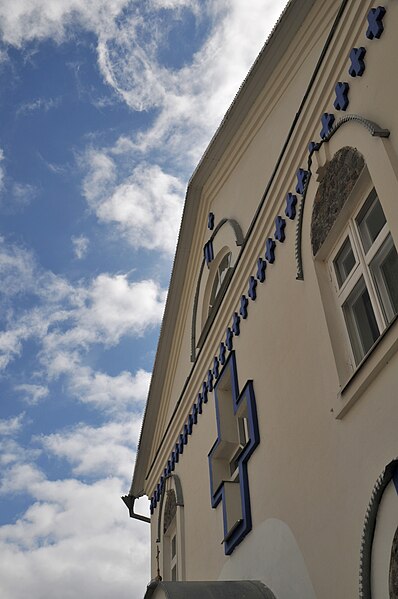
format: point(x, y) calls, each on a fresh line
point(358, 66)
point(236, 324)
point(327, 121)
point(195, 413)
point(290, 210)
point(261, 268)
point(204, 393)
point(229, 339)
point(375, 20)
point(210, 221)
point(200, 403)
point(208, 252)
point(216, 365)
point(280, 225)
point(252, 293)
point(210, 381)
point(244, 302)
point(341, 102)
point(221, 354)
point(302, 176)
point(237, 438)
point(270, 250)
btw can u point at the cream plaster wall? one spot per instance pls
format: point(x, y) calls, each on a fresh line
point(312, 474)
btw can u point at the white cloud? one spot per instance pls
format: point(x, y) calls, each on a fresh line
point(65, 319)
point(27, 20)
point(76, 538)
point(94, 451)
point(11, 426)
point(32, 394)
point(80, 246)
point(146, 207)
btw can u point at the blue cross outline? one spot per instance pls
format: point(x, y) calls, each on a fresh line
point(280, 225)
point(327, 120)
point(290, 210)
point(302, 176)
point(210, 221)
point(357, 67)
point(208, 252)
point(216, 367)
point(252, 293)
point(270, 250)
point(341, 102)
point(229, 339)
point(236, 324)
point(222, 489)
point(375, 21)
point(243, 307)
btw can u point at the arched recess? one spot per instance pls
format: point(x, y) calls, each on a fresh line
point(171, 533)
point(346, 171)
point(226, 239)
point(379, 543)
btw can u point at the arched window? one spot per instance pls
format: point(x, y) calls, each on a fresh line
point(171, 531)
point(219, 277)
point(354, 250)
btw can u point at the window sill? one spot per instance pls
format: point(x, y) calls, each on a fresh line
point(367, 370)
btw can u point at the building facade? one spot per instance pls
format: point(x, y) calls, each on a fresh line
point(269, 443)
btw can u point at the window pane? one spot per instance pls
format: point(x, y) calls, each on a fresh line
point(345, 262)
point(384, 268)
point(370, 220)
point(361, 321)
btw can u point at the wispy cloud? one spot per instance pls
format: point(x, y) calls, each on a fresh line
point(80, 246)
point(32, 394)
point(11, 426)
point(40, 104)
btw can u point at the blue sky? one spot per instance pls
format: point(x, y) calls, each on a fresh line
point(106, 106)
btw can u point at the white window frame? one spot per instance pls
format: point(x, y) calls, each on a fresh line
point(362, 269)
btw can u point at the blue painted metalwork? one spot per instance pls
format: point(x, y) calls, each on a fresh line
point(234, 532)
point(280, 225)
point(270, 250)
point(290, 210)
point(375, 20)
point(341, 102)
point(210, 221)
point(216, 366)
point(185, 434)
point(244, 302)
point(195, 413)
point(327, 121)
point(302, 176)
point(313, 146)
point(252, 293)
point(229, 339)
point(190, 424)
point(204, 393)
point(261, 268)
point(236, 324)
point(221, 354)
point(181, 444)
point(357, 67)
point(200, 403)
point(209, 252)
point(210, 380)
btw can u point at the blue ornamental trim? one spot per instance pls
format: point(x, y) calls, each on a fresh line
point(375, 20)
point(220, 489)
point(233, 536)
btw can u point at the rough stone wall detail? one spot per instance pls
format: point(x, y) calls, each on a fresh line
point(338, 180)
point(170, 509)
